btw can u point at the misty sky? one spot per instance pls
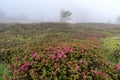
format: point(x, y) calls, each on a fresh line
point(49, 10)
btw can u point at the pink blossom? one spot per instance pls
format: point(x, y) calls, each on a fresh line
point(80, 61)
point(84, 75)
point(58, 69)
point(83, 51)
point(63, 59)
point(25, 69)
point(15, 65)
point(32, 62)
point(60, 55)
point(62, 52)
point(27, 64)
point(19, 57)
point(118, 67)
point(55, 64)
point(94, 71)
point(57, 59)
point(102, 74)
point(53, 56)
point(15, 71)
point(71, 50)
point(46, 61)
point(34, 54)
point(54, 73)
point(66, 49)
point(16, 61)
point(64, 56)
point(9, 67)
point(69, 65)
point(85, 63)
point(99, 72)
point(77, 67)
point(38, 57)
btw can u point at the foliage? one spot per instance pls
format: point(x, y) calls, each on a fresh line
point(59, 51)
point(111, 46)
point(70, 60)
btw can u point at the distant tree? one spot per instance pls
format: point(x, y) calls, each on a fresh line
point(65, 15)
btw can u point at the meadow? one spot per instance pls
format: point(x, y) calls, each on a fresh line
point(59, 51)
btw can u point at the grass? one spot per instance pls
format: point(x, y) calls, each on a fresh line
point(2, 70)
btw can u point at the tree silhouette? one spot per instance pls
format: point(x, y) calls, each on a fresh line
point(65, 15)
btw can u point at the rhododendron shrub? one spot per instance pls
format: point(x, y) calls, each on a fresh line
point(67, 61)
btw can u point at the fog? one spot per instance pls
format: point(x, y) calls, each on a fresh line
point(101, 11)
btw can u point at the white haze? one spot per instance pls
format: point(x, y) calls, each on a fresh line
point(49, 10)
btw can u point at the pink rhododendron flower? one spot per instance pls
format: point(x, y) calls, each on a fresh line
point(59, 55)
point(71, 50)
point(46, 61)
point(80, 61)
point(16, 61)
point(84, 75)
point(9, 67)
point(69, 65)
point(63, 59)
point(99, 72)
point(94, 71)
point(33, 62)
point(19, 57)
point(66, 49)
point(15, 65)
point(64, 56)
point(77, 67)
point(83, 51)
point(102, 74)
point(58, 69)
point(53, 56)
point(117, 66)
point(24, 67)
point(54, 73)
point(34, 54)
point(38, 57)
point(85, 63)
point(15, 71)
point(55, 64)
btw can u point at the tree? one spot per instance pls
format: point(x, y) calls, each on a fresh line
point(65, 15)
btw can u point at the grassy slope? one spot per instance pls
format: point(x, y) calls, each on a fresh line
point(27, 34)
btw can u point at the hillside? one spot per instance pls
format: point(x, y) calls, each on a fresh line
point(87, 51)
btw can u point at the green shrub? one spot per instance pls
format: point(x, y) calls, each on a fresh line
point(60, 62)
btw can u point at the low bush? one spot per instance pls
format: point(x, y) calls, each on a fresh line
point(66, 61)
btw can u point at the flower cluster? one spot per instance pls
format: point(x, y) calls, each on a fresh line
point(62, 62)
